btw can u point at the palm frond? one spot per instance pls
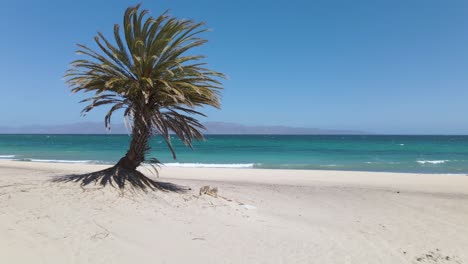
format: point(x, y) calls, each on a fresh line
point(146, 71)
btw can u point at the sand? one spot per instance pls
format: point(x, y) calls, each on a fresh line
point(263, 216)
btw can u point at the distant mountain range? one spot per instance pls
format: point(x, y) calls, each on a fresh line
point(233, 128)
point(221, 128)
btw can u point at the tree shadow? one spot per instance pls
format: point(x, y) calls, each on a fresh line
point(121, 177)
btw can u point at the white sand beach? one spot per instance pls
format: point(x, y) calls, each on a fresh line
point(262, 216)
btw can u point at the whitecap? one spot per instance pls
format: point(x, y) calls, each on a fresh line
point(208, 165)
point(431, 161)
point(59, 161)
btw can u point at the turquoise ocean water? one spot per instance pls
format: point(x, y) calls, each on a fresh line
point(423, 154)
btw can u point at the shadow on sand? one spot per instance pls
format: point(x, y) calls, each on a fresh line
point(121, 177)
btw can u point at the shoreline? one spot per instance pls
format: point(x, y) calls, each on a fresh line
point(260, 216)
point(241, 166)
point(454, 183)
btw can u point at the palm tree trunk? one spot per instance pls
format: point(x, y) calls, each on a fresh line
point(139, 144)
point(125, 171)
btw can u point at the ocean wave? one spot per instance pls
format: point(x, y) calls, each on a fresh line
point(209, 165)
point(7, 156)
point(431, 161)
point(382, 162)
point(60, 161)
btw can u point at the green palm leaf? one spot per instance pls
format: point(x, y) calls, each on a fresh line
point(150, 71)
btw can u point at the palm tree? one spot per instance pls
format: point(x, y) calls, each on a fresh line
point(150, 74)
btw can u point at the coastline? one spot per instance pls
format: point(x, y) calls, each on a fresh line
point(431, 182)
point(405, 154)
point(256, 166)
point(261, 216)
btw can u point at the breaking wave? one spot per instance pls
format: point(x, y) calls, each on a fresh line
point(60, 161)
point(209, 165)
point(431, 161)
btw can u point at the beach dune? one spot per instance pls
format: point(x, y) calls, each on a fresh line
point(260, 216)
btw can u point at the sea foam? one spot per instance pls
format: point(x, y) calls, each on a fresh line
point(59, 161)
point(431, 161)
point(207, 165)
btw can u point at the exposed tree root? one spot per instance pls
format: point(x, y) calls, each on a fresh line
point(120, 177)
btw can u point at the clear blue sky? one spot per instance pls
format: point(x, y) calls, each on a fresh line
point(380, 66)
